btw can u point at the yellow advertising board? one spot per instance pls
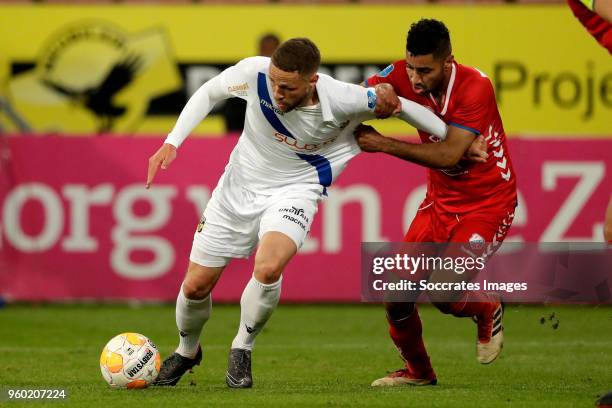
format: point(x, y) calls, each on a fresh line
point(129, 69)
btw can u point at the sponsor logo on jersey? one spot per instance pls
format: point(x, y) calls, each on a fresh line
point(385, 72)
point(371, 99)
point(296, 145)
point(239, 90)
point(268, 105)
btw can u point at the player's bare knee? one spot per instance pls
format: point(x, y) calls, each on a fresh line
point(193, 289)
point(198, 283)
point(200, 280)
point(268, 271)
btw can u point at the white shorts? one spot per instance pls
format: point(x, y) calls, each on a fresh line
point(236, 218)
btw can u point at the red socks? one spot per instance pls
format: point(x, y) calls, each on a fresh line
point(471, 304)
point(407, 334)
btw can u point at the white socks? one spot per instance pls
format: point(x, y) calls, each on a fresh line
point(257, 304)
point(191, 314)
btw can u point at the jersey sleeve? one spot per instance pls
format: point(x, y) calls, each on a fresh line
point(386, 76)
point(235, 79)
point(473, 108)
point(352, 101)
point(422, 118)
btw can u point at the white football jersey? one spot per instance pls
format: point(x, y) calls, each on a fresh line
point(307, 147)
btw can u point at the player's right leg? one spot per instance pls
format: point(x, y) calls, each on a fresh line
point(193, 307)
point(406, 332)
point(257, 304)
point(478, 235)
point(282, 230)
point(405, 326)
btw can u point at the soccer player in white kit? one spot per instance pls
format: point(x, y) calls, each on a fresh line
point(297, 138)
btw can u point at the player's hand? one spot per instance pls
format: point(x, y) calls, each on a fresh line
point(162, 157)
point(387, 102)
point(477, 151)
point(369, 139)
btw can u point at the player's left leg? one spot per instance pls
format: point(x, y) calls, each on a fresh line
point(282, 230)
point(258, 302)
point(193, 307)
point(479, 235)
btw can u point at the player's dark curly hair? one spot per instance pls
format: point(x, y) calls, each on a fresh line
point(429, 36)
point(297, 54)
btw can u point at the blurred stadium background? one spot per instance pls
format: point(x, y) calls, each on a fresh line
point(88, 90)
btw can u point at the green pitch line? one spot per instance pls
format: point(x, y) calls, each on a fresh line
point(316, 356)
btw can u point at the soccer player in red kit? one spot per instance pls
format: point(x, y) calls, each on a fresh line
point(466, 202)
point(596, 19)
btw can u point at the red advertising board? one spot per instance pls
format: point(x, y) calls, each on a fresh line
point(77, 223)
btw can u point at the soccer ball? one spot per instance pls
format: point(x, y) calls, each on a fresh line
point(130, 360)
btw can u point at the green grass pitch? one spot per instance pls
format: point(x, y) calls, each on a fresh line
point(315, 355)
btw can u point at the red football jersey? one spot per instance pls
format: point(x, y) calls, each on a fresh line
point(470, 104)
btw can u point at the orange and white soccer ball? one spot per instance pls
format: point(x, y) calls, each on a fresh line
point(130, 360)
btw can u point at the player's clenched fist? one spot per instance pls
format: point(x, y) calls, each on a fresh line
point(162, 157)
point(478, 150)
point(387, 101)
point(368, 139)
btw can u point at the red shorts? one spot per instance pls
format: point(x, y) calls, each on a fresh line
point(482, 232)
point(430, 225)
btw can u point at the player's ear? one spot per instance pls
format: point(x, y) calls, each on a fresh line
point(448, 62)
point(313, 79)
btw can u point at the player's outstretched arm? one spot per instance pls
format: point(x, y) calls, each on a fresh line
point(196, 109)
point(445, 154)
point(162, 157)
point(422, 118)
